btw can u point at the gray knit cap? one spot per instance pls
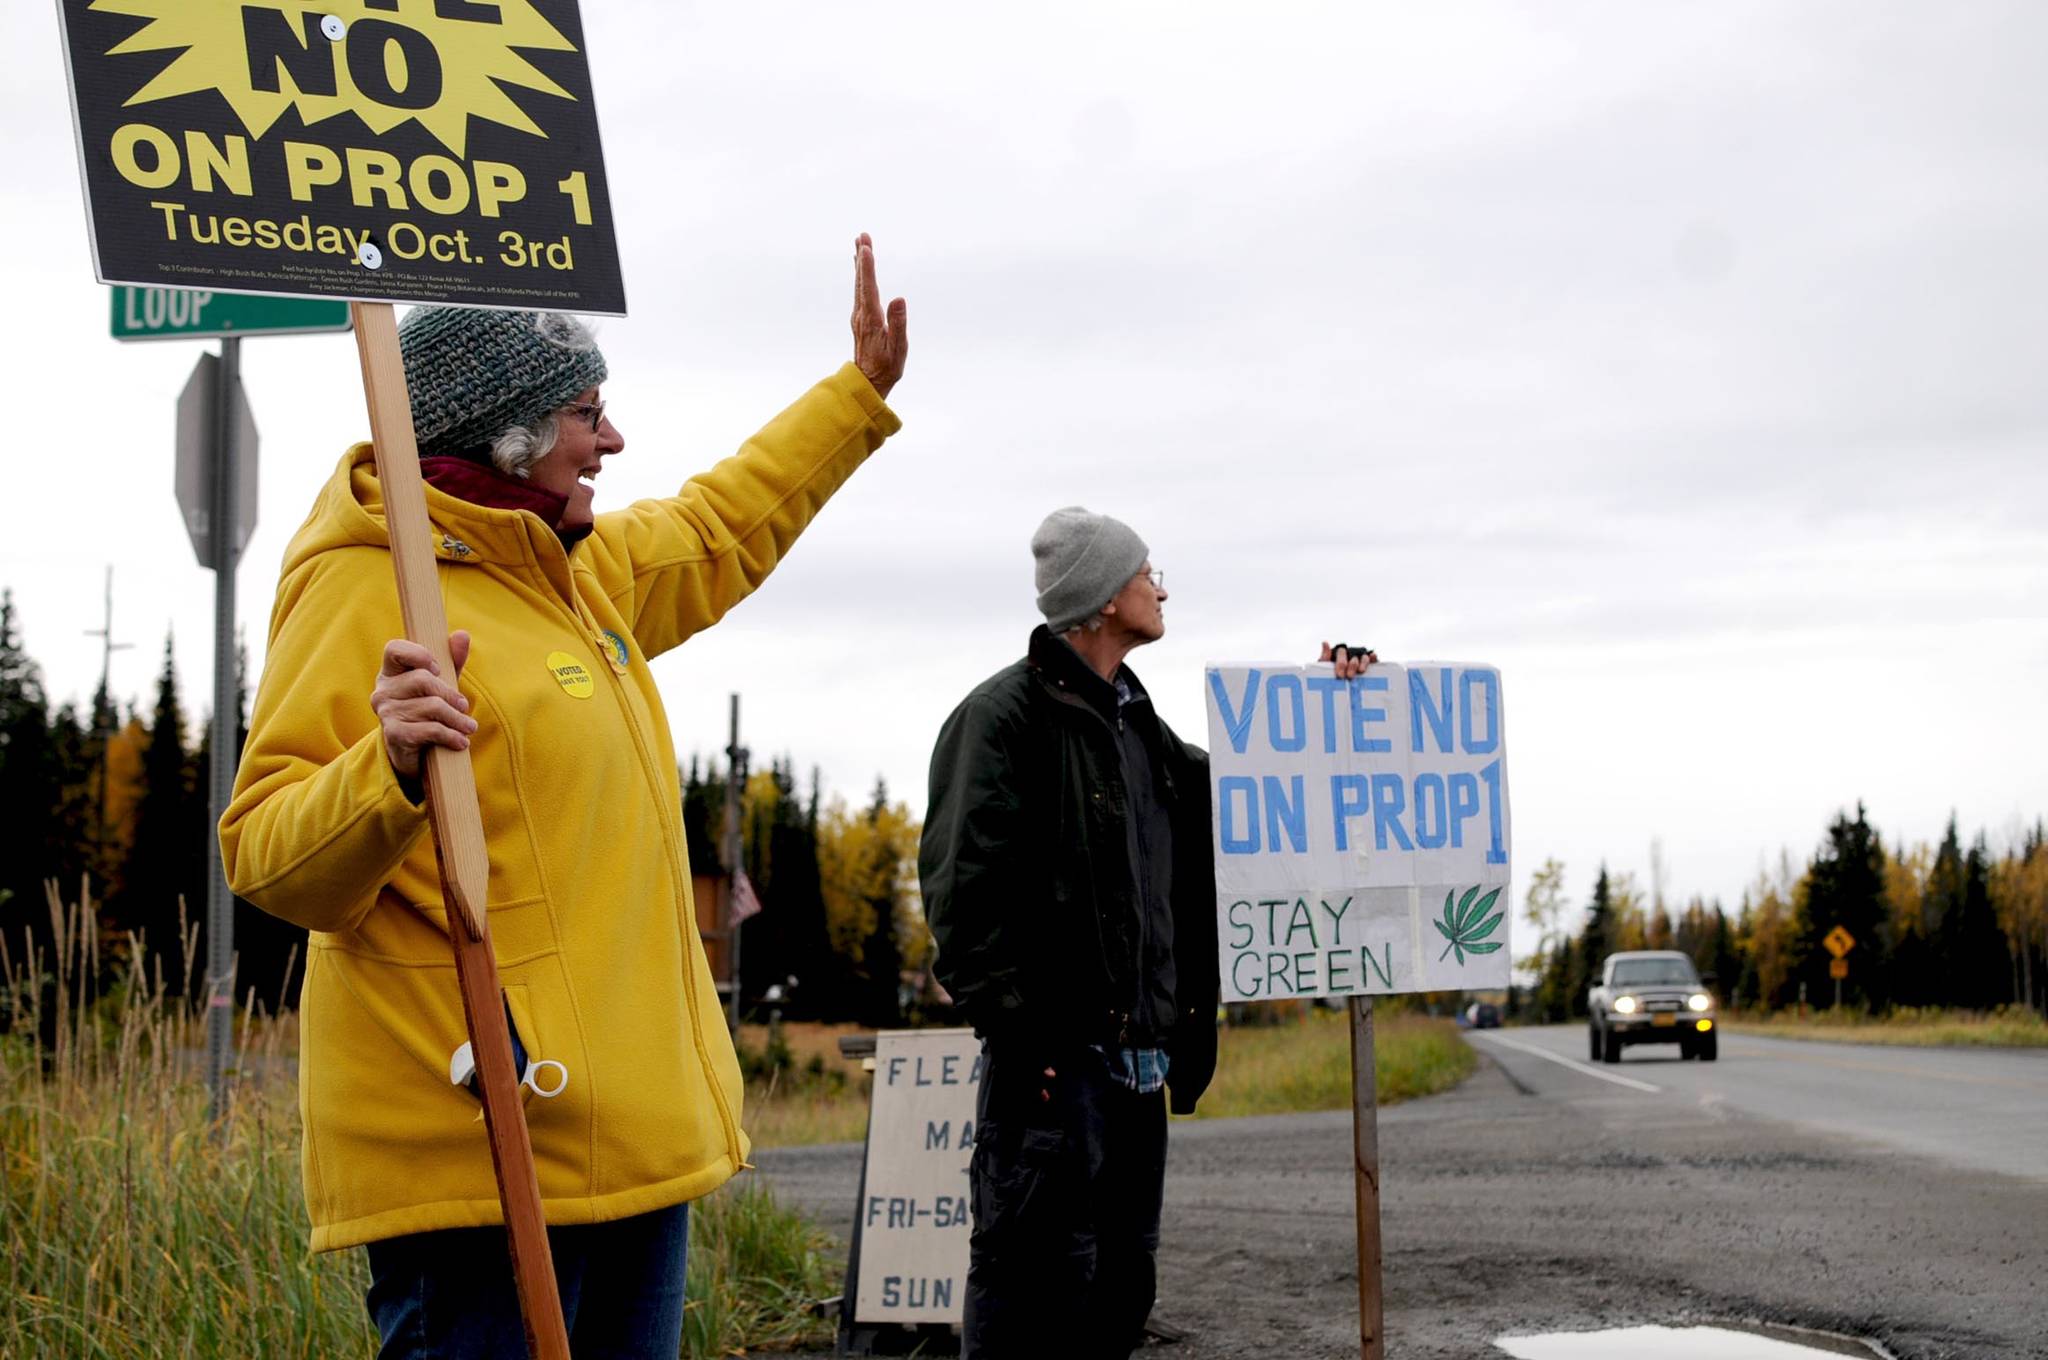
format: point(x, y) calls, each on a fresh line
point(475, 373)
point(1083, 561)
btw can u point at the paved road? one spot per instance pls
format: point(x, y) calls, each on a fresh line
point(1986, 1109)
point(1538, 1197)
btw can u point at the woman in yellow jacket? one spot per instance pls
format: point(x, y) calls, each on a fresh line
point(590, 909)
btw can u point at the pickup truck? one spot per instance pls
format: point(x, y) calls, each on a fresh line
point(1651, 996)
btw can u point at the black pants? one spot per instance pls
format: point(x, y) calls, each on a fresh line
point(1065, 1194)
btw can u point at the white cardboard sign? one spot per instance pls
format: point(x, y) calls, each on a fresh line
point(913, 1210)
point(1360, 829)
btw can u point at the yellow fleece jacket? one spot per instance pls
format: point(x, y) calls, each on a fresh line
point(590, 904)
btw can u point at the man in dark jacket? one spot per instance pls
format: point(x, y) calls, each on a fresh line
point(1067, 877)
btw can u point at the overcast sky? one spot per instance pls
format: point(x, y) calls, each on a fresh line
point(1681, 360)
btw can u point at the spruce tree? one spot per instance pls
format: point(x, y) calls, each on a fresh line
point(1726, 966)
point(1553, 996)
point(882, 953)
point(75, 812)
point(1845, 887)
point(826, 987)
point(1596, 942)
point(1936, 972)
point(704, 818)
point(166, 862)
point(104, 856)
point(28, 792)
point(1980, 957)
point(792, 920)
point(270, 952)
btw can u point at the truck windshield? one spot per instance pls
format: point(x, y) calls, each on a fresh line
point(1654, 972)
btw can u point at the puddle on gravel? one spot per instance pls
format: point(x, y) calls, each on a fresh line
point(1685, 1343)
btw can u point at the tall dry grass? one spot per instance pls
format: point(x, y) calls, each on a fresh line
point(800, 1090)
point(137, 1226)
point(1903, 1026)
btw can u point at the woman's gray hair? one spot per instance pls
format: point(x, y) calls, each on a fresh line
point(519, 447)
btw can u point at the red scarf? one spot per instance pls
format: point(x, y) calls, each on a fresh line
point(480, 484)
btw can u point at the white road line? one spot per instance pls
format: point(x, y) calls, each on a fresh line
point(1575, 1066)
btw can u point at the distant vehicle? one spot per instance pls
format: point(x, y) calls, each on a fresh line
point(1651, 996)
point(1481, 1015)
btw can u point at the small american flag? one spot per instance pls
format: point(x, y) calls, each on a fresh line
point(744, 903)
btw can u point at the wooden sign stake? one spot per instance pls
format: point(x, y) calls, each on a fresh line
point(459, 837)
point(1365, 1142)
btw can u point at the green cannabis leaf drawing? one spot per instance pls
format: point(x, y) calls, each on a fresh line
point(1467, 922)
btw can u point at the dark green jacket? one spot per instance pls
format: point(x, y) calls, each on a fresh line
point(1027, 876)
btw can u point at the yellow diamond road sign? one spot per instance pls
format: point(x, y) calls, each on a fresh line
point(1839, 942)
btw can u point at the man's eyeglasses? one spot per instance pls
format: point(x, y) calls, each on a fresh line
point(1156, 577)
point(593, 411)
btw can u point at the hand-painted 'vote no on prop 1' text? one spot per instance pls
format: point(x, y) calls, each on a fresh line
point(1361, 829)
point(384, 150)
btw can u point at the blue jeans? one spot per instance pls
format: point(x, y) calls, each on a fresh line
point(448, 1295)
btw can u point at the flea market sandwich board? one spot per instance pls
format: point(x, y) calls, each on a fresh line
point(378, 151)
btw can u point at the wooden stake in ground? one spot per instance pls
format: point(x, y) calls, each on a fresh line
point(459, 837)
point(1365, 1143)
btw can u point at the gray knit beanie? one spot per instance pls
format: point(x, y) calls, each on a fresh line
point(475, 373)
point(1083, 561)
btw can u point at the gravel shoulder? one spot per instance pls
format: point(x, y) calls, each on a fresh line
point(1534, 1199)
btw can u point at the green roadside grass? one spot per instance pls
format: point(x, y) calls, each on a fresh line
point(1905, 1026)
point(1305, 1064)
point(1301, 1062)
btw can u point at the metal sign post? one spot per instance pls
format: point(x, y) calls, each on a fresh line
point(1365, 1149)
point(216, 489)
point(1839, 942)
point(227, 711)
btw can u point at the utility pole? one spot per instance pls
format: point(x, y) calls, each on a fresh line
point(735, 790)
point(103, 704)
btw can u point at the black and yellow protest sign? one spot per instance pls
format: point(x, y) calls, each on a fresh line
point(388, 150)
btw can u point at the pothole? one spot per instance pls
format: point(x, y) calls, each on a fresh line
point(1727, 1341)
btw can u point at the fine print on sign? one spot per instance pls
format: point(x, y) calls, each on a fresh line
point(383, 150)
point(1361, 829)
point(190, 314)
point(913, 1215)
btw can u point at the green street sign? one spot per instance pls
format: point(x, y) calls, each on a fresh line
point(185, 314)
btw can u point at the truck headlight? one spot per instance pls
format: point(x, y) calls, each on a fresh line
point(1700, 1001)
point(1625, 1005)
